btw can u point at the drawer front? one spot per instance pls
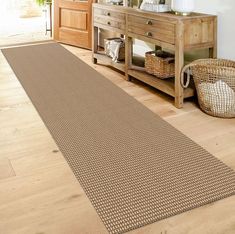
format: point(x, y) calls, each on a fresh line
point(159, 30)
point(109, 14)
point(109, 22)
point(109, 18)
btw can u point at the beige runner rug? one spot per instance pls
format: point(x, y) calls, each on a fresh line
point(134, 167)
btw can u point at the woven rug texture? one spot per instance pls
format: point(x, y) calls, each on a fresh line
point(134, 167)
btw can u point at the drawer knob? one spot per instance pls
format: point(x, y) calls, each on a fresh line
point(149, 22)
point(108, 13)
point(108, 23)
point(148, 34)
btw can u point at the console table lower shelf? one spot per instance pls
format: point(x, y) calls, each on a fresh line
point(108, 61)
point(167, 85)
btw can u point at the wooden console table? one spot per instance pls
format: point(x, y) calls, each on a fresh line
point(166, 30)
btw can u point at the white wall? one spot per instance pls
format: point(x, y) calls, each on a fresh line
point(225, 10)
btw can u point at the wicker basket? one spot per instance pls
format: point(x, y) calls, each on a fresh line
point(160, 64)
point(215, 84)
point(115, 48)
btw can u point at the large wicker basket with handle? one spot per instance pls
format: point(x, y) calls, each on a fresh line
point(160, 63)
point(215, 84)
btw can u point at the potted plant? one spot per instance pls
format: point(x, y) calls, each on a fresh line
point(43, 2)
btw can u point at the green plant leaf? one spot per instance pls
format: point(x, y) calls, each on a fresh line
point(43, 2)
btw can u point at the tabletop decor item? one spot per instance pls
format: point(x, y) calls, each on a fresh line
point(183, 7)
point(115, 2)
point(154, 5)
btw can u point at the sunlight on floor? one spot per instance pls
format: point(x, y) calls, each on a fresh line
point(21, 22)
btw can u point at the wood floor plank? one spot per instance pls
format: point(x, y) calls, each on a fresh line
point(6, 169)
point(27, 163)
point(20, 187)
point(48, 213)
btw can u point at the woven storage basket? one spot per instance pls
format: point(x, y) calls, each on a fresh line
point(215, 84)
point(160, 64)
point(113, 44)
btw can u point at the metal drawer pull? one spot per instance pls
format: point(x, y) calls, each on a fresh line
point(149, 22)
point(108, 23)
point(108, 13)
point(148, 34)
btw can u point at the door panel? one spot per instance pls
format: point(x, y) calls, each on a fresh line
point(72, 22)
point(74, 19)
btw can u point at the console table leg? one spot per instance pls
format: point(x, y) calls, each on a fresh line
point(179, 63)
point(128, 57)
point(213, 50)
point(128, 78)
point(94, 60)
point(94, 43)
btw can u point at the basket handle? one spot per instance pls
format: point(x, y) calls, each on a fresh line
point(187, 67)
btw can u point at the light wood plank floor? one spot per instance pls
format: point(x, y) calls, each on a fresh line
point(40, 195)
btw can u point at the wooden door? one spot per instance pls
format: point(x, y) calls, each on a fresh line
point(72, 22)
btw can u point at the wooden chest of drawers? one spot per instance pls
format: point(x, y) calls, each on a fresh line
point(165, 30)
